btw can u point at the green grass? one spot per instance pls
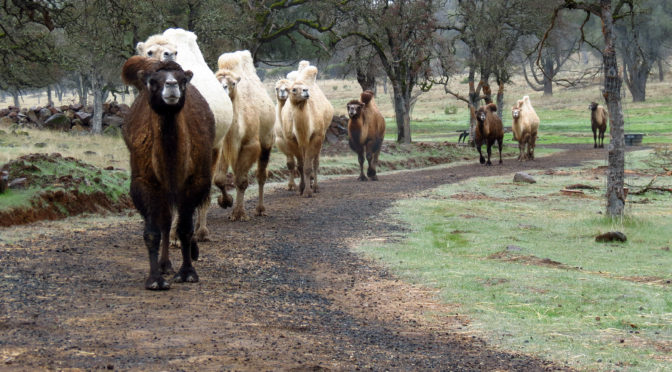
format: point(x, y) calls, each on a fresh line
point(603, 306)
point(44, 173)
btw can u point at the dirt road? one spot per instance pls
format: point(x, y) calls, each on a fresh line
point(282, 292)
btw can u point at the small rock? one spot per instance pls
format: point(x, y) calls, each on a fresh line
point(40, 145)
point(58, 122)
point(18, 183)
point(523, 177)
point(513, 248)
point(611, 236)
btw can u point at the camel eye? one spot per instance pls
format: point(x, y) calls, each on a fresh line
point(294, 90)
point(150, 53)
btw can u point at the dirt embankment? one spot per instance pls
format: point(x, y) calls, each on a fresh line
point(56, 187)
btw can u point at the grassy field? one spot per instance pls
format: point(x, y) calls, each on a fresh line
point(522, 262)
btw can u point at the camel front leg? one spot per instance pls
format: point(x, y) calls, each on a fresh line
point(360, 159)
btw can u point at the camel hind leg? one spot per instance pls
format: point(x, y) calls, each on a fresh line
point(594, 139)
point(531, 145)
point(247, 156)
point(291, 166)
point(262, 175)
point(500, 143)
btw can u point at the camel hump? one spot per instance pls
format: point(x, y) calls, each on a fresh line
point(366, 96)
point(526, 99)
point(132, 67)
point(492, 107)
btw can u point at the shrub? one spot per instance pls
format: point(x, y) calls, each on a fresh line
point(450, 110)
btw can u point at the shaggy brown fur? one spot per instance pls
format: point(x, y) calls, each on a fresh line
point(366, 129)
point(170, 142)
point(488, 130)
point(598, 122)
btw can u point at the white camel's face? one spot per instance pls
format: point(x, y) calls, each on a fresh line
point(481, 116)
point(163, 52)
point(300, 91)
point(282, 92)
point(516, 113)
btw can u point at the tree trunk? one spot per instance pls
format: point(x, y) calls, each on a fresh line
point(59, 93)
point(637, 84)
point(402, 114)
point(661, 72)
point(97, 90)
point(500, 99)
point(612, 95)
point(50, 101)
point(82, 91)
point(366, 79)
point(549, 74)
point(15, 95)
point(385, 85)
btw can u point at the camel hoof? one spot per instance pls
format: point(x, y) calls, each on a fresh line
point(291, 187)
point(156, 283)
point(166, 267)
point(225, 201)
point(186, 275)
point(362, 178)
point(201, 234)
point(261, 211)
point(482, 160)
point(239, 216)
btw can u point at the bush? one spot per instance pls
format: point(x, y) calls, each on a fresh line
point(450, 110)
point(335, 87)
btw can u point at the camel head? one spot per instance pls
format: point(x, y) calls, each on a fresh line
point(515, 112)
point(481, 115)
point(158, 49)
point(167, 86)
point(299, 92)
point(229, 81)
point(354, 109)
point(282, 90)
point(592, 106)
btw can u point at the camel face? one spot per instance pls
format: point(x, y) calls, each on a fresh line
point(592, 106)
point(162, 52)
point(168, 86)
point(282, 93)
point(300, 92)
point(481, 116)
point(516, 113)
point(354, 109)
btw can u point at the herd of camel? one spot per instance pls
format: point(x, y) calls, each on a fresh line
point(189, 126)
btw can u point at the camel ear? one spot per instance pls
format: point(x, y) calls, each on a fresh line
point(238, 80)
point(189, 75)
point(140, 48)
